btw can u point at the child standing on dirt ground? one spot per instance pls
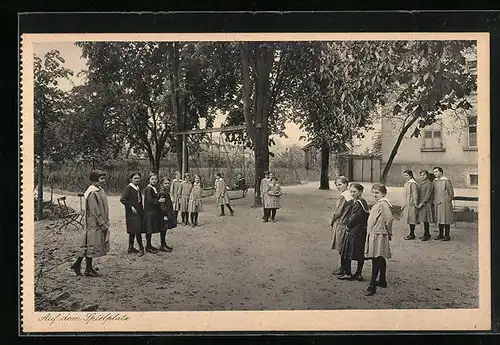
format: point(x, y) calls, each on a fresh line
point(134, 213)
point(195, 206)
point(410, 211)
point(167, 216)
point(337, 223)
point(152, 211)
point(443, 200)
point(379, 233)
point(185, 191)
point(273, 196)
point(175, 193)
point(426, 192)
point(263, 188)
point(221, 194)
point(96, 237)
point(353, 247)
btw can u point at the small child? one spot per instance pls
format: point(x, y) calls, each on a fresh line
point(273, 195)
point(175, 194)
point(221, 194)
point(195, 204)
point(168, 221)
point(185, 192)
point(379, 233)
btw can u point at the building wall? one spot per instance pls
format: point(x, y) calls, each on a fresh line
point(457, 159)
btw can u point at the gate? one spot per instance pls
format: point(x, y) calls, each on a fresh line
point(364, 168)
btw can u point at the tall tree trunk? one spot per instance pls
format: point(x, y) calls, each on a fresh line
point(324, 182)
point(263, 65)
point(395, 148)
point(39, 211)
point(175, 101)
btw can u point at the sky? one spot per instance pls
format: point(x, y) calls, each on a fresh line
point(75, 62)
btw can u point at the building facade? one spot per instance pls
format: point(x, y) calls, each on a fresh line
point(450, 143)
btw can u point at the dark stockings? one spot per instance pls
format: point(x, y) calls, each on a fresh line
point(426, 230)
point(267, 213)
point(447, 230)
point(412, 230)
point(441, 230)
point(228, 207)
point(148, 242)
point(379, 267)
point(273, 213)
point(163, 238)
point(346, 267)
point(359, 269)
point(176, 215)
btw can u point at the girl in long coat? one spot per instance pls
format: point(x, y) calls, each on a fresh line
point(443, 201)
point(134, 213)
point(96, 239)
point(263, 188)
point(175, 194)
point(185, 192)
point(273, 195)
point(152, 211)
point(337, 223)
point(426, 194)
point(221, 194)
point(167, 219)
point(353, 247)
point(379, 233)
point(195, 204)
point(410, 211)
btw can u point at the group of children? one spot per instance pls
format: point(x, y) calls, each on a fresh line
point(162, 204)
point(430, 201)
point(360, 234)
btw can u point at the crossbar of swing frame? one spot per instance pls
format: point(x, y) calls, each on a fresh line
point(201, 131)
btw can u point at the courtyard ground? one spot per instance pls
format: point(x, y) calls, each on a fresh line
point(240, 263)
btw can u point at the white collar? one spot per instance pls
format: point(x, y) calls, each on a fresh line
point(362, 205)
point(154, 188)
point(134, 186)
point(443, 178)
point(347, 195)
point(386, 200)
point(91, 189)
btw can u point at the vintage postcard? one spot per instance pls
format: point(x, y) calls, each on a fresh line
point(255, 182)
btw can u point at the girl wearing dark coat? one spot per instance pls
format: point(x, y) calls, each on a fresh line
point(168, 220)
point(426, 192)
point(152, 211)
point(353, 247)
point(134, 213)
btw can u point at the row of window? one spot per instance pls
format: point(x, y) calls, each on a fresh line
point(433, 138)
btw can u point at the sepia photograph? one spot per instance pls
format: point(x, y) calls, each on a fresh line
point(241, 175)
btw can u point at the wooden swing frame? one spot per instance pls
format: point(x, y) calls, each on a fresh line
point(223, 129)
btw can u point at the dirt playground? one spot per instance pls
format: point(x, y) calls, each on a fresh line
point(240, 263)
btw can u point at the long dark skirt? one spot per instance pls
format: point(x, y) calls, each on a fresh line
point(152, 223)
point(168, 224)
point(353, 246)
point(134, 222)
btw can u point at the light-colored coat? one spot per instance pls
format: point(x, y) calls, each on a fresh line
point(410, 211)
point(221, 195)
point(426, 194)
point(443, 200)
point(195, 203)
point(263, 189)
point(96, 240)
point(337, 223)
point(379, 228)
point(185, 192)
point(273, 195)
point(175, 190)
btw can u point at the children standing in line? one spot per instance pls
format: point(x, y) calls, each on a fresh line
point(263, 188)
point(410, 211)
point(134, 213)
point(337, 223)
point(443, 199)
point(273, 195)
point(353, 247)
point(175, 194)
point(221, 194)
point(379, 233)
point(167, 219)
point(426, 193)
point(195, 204)
point(185, 192)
